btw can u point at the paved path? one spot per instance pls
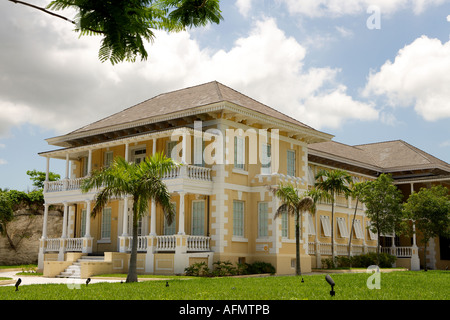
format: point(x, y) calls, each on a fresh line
point(26, 280)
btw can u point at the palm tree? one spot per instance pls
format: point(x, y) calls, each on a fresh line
point(143, 182)
point(294, 204)
point(334, 183)
point(356, 191)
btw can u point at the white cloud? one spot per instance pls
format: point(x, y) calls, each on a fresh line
point(419, 77)
point(319, 8)
point(65, 87)
point(3, 162)
point(244, 6)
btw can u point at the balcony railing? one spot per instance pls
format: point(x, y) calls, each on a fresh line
point(189, 172)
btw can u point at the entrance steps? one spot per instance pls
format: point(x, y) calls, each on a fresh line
point(74, 270)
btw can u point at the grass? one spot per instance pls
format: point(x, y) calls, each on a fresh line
point(408, 285)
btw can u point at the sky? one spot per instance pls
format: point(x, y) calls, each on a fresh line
point(363, 70)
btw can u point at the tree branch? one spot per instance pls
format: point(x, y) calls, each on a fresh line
point(52, 13)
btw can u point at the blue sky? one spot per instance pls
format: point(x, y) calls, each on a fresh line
point(317, 61)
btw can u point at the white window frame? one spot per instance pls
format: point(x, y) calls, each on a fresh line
point(142, 154)
point(266, 158)
point(311, 228)
point(108, 158)
point(311, 176)
point(285, 225)
point(238, 219)
point(239, 153)
point(105, 228)
point(263, 219)
point(198, 229)
point(343, 231)
point(326, 227)
point(373, 236)
point(358, 230)
point(83, 223)
point(291, 167)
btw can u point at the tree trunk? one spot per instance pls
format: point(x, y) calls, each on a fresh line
point(332, 229)
point(351, 234)
point(298, 269)
point(132, 270)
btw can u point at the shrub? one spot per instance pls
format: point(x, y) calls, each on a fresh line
point(226, 268)
point(360, 261)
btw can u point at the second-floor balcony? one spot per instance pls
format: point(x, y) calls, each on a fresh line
point(190, 173)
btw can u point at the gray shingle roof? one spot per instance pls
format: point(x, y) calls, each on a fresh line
point(186, 99)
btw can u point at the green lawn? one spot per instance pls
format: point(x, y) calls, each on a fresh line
point(407, 285)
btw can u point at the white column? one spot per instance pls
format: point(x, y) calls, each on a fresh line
point(181, 220)
point(153, 218)
point(44, 227)
point(67, 166)
point(88, 219)
point(125, 218)
point(414, 234)
point(47, 170)
point(184, 147)
point(127, 150)
point(154, 146)
point(90, 162)
point(66, 213)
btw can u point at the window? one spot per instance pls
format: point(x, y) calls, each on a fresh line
point(290, 158)
point(198, 218)
point(342, 227)
point(263, 219)
point(238, 218)
point(172, 151)
point(108, 159)
point(170, 229)
point(106, 224)
point(311, 229)
point(285, 225)
point(83, 223)
point(358, 230)
point(373, 236)
point(311, 177)
point(85, 166)
point(239, 153)
point(199, 147)
point(139, 155)
point(325, 221)
point(266, 158)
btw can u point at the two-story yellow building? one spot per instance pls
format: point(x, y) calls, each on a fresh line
point(232, 148)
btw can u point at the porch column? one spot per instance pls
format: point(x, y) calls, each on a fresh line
point(87, 239)
point(154, 146)
point(63, 241)
point(153, 218)
point(43, 240)
point(123, 239)
point(66, 213)
point(125, 218)
point(415, 260)
point(184, 147)
point(47, 170)
point(90, 162)
point(181, 211)
point(127, 151)
point(44, 227)
point(88, 219)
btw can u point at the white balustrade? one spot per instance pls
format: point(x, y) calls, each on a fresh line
point(166, 243)
point(74, 244)
point(53, 244)
point(198, 243)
